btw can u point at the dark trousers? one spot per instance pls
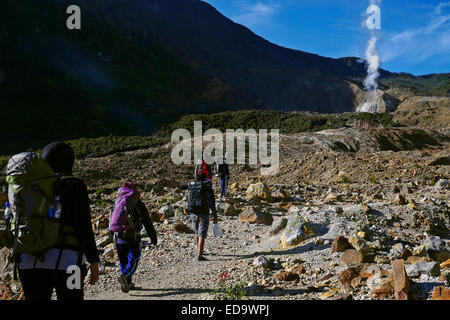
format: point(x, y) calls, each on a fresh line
point(224, 185)
point(129, 255)
point(38, 284)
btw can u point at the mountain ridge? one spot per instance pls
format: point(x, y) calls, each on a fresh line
point(135, 67)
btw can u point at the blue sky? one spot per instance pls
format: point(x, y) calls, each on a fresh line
point(414, 35)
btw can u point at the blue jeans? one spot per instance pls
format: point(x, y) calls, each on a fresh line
point(129, 255)
point(224, 184)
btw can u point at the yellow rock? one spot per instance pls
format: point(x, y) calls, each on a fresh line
point(362, 235)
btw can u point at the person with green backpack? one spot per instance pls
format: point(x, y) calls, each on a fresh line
point(50, 224)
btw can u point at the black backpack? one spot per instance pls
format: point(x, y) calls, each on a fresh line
point(197, 198)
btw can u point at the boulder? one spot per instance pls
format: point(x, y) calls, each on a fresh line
point(415, 259)
point(297, 230)
point(254, 215)
point(278, 225)
point(225, 209)
point(180, 227)
point(167, 211)
point(281, 195)
point(340, 244)
point(260, 191)
point(423, 267)
point(401, 281)
point(384, 291)
point(286, 276)
point(352, 257)
point(261, 261)
point(359, 244)
point(346, 277)
point(437, 249)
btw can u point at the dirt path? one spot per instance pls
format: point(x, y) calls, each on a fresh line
point(171, 271)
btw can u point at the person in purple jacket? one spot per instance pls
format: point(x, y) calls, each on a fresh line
point(128, 240)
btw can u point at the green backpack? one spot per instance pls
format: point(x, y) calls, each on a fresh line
point(31, 195)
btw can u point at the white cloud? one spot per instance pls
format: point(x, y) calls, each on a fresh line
point(419, 44)
point(441, 6)
point(256, 13)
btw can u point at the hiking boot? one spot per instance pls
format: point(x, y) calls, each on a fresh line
point(202, 258)
point(124, 285)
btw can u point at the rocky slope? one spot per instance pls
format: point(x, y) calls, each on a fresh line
point(352, 214)
point(431, 112)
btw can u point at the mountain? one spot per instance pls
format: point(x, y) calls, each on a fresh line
point(136, 65)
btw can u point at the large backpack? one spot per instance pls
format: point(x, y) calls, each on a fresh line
point(31, 183)
point(197, 198)
point(123, 217)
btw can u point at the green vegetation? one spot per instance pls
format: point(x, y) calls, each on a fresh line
point(286, 122)
point(96, 147)
point(429, 85)
point(229, 291)
point(372, 179)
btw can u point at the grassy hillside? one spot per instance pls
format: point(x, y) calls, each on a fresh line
point(286, 122)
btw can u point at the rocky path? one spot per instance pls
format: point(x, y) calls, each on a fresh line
point(171, 271)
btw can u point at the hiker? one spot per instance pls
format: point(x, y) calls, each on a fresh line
point(223, 173)
point(126, 222)
point(200, 201)
point(69, 235)
point(202, 166)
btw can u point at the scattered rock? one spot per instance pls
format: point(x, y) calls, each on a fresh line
point(400, 200)
point(423, 267)
point(278, 225)
point(442, 184)
point(437, 249)
point(156, 216)
point(401, 281)
point(346, 277)
point(384, 291)
point(6, 292)
point(352, 257)
point(254, 215)
point(441, 293)
point(415, 259)
point(260, 191)
point(286, 276)
point(297, 230)
point(167, 211)
point(340, 244)
point(261, 261)
point(332, 197)
point(180, 227)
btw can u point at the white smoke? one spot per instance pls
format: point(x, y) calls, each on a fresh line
point(373, 64)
